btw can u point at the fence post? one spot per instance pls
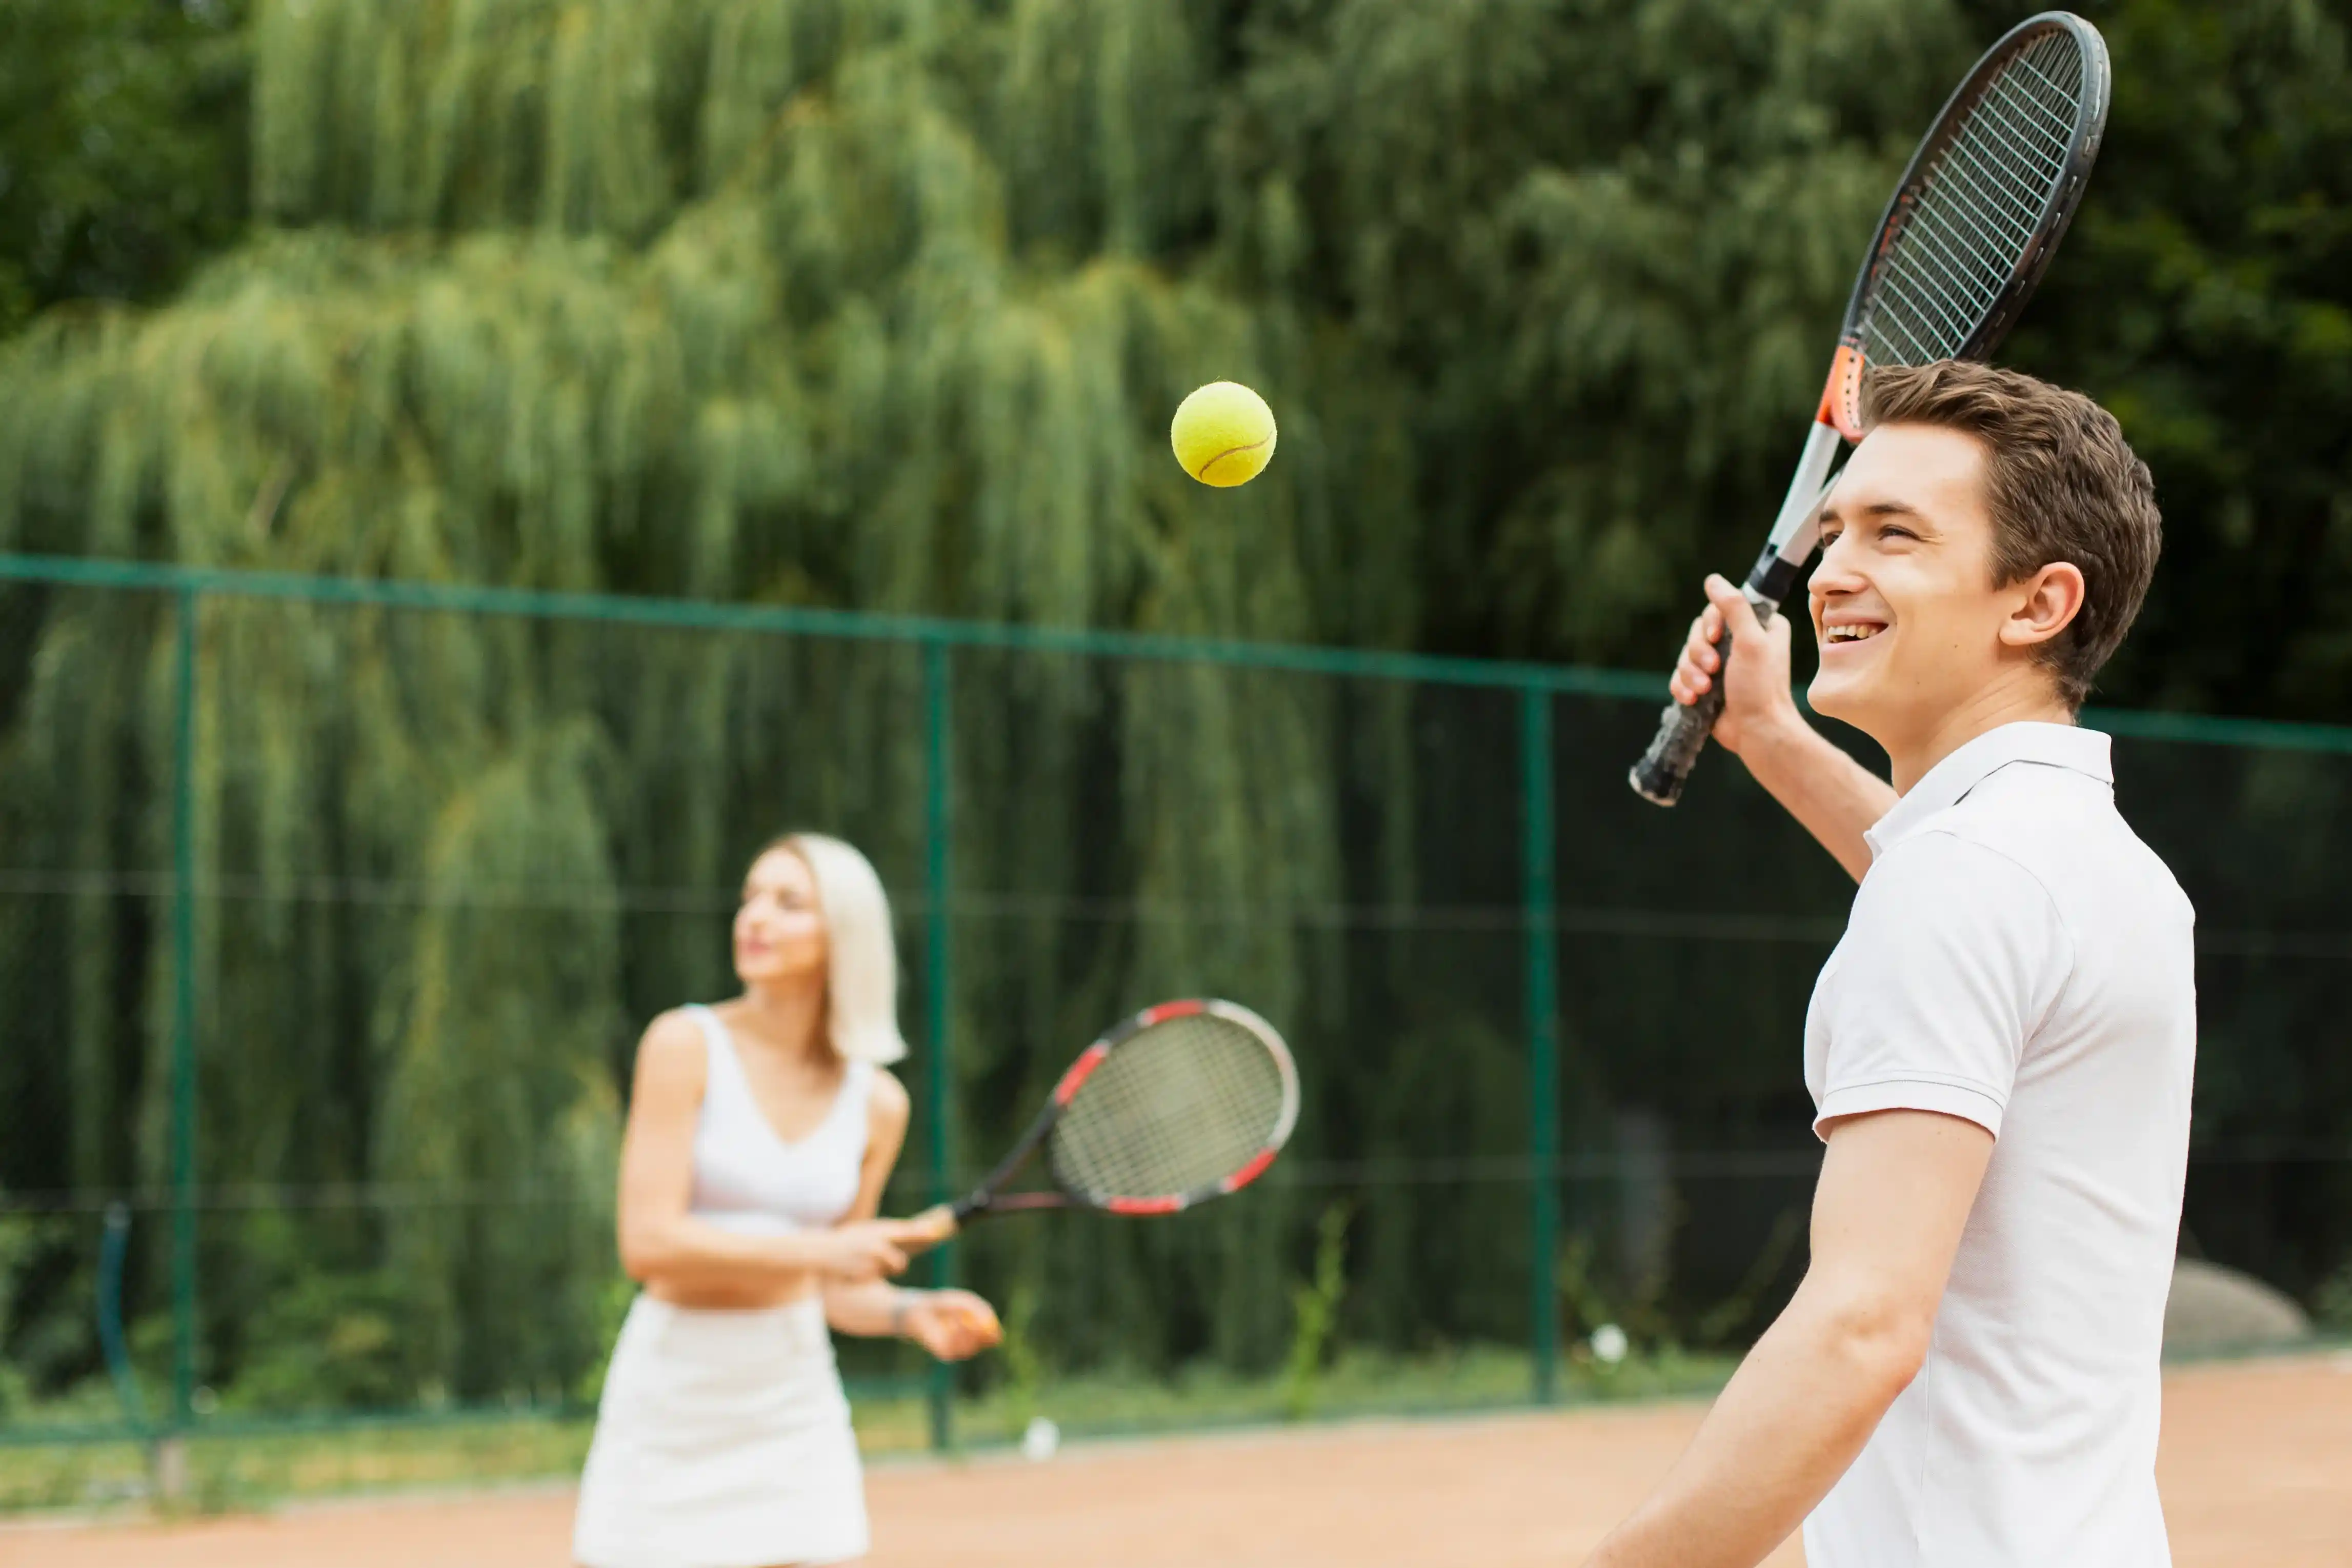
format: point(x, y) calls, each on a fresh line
point(183, 1014)
point(1543, 1034)
point(937, 873)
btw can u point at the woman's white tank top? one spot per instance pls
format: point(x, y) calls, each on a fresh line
point(747, 1176)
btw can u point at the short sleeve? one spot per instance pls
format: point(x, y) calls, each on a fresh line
point(1954, 955)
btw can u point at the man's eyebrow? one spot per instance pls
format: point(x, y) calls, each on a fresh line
point(1875, 509)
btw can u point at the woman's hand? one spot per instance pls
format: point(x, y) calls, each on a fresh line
point(950, 1324)
point(863, 1249)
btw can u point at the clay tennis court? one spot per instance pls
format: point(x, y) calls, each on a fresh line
point(2256, 1470)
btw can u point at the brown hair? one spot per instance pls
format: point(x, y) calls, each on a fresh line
point(2060, 483)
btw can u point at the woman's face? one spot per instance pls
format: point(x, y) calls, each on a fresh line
point(779, 926)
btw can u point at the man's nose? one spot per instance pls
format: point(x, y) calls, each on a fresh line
point(1837, 571)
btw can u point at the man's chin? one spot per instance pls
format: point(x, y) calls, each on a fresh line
point(1842, 700)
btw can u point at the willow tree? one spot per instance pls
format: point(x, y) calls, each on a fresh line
point(883, 304)
point(766, 301)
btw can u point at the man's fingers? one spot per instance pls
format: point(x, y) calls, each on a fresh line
point(1698, 651)
point(1731, 607)
point(1704, 657)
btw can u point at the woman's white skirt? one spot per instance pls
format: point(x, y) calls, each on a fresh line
point(722, 1441)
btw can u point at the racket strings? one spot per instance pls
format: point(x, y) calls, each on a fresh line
point(2050, 72)
point(1977, 207)
point(1973, 219)
point(1174, 1109)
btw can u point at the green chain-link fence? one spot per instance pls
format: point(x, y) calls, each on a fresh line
point(330, 912)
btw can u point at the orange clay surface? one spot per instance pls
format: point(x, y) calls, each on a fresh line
point(2256, 1472)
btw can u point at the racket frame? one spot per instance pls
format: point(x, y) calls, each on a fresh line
point(988, 1198)
point(1683, 729)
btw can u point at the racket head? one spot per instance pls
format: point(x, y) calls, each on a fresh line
point(1980, 209)
point(1182, 1102)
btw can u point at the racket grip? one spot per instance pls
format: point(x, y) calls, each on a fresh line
point(1683, 729)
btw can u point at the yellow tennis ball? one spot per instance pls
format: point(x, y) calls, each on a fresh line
point(1223, 434)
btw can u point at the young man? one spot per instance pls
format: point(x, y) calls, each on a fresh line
point(1999, 1051)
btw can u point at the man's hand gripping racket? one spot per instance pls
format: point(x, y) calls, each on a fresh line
point(1964, 240)
point(1179, 1104)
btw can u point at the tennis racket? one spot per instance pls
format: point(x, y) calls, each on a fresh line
point(1965, 239)
point(1180, 1103)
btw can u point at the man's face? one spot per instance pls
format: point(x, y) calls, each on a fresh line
point(1909, 623)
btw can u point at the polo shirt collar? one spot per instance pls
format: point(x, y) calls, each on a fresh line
point(1948, 782)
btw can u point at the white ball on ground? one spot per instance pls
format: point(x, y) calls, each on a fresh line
point(1040, 1440)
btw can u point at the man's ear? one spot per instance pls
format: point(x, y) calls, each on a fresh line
point(2042, 605)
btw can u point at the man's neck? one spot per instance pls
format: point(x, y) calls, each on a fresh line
point(2026, 698)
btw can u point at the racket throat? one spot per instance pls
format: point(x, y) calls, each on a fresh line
point(1774, 578)
point(1799, 522)
point(1799, 526)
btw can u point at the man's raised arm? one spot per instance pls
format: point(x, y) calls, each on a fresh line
point(1835, 796)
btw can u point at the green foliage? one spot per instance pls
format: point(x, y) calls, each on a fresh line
point(711, 297)
point(1603, 245)
point(337, 1339)
point(1315, 1309)
point(611, 1310)
point(1024, 1366)
point(1721, 1323)
point(122, 147)
point(1456, 1085)
point(2331, 1304)
point(40, 1346)
point(2206, 296)
point(17, 1245)
point(1635, 1308)
point(885, 305)
point(1573, 306)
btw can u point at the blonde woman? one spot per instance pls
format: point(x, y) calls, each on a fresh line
point(760, 1133)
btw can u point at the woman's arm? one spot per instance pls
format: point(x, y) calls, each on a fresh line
point(950, 1324)
point(661, 1242)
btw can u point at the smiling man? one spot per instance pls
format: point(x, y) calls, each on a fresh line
point(1999, 1051)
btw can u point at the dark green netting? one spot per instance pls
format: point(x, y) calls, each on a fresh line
point(446, 862)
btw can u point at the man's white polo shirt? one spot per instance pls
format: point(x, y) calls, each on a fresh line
point(2018, 957)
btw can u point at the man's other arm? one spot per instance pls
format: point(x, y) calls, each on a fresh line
point(1895, 1190)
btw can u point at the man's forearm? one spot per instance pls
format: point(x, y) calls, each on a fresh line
point(1835, 797)
point(1785, 1429)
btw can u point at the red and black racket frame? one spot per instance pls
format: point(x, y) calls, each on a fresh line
point(984, 1199)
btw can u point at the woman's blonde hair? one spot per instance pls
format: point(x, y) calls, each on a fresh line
point(861, 990)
